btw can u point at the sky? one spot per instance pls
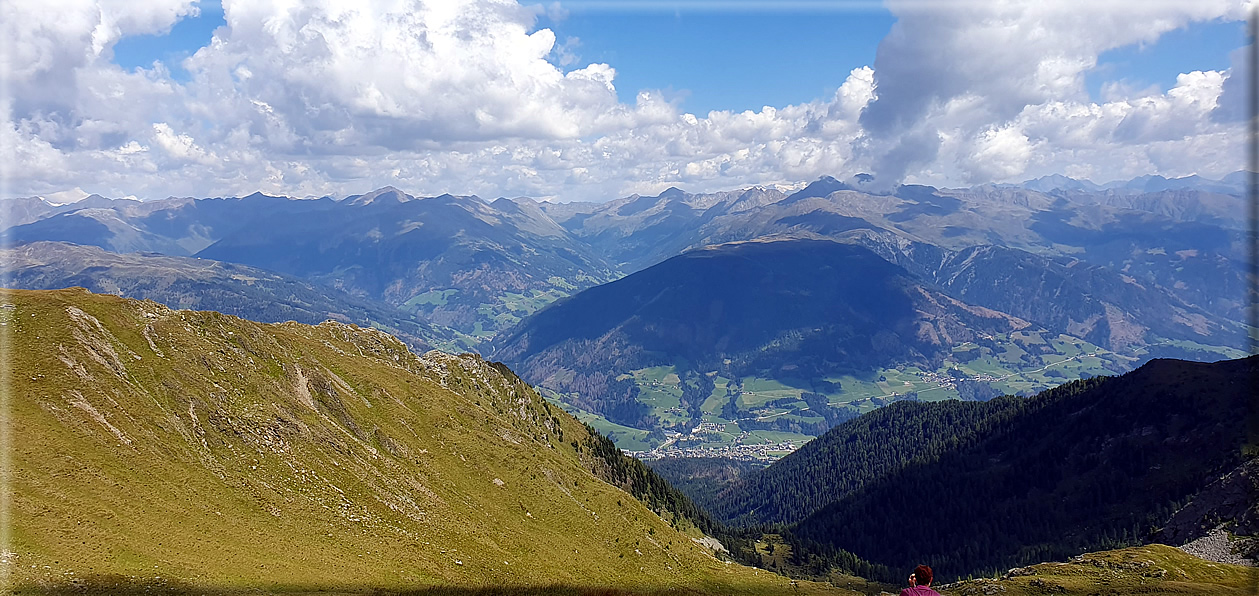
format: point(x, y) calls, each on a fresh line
point(597, 99)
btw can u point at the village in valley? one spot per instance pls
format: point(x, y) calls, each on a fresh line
point(693, 444)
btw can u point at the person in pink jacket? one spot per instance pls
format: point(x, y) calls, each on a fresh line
point(920, 583)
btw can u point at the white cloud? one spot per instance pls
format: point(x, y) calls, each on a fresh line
point(960, 69)
point(998, 154)
point(855, 93)
point(128, 17)
point(180, 147)
point(1170, 133)
point(50, 45)
point(406, 75)
point(468, 96)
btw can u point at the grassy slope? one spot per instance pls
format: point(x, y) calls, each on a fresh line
point(157, 447)
point(1152, 570)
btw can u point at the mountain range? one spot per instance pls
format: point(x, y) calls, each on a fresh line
point(1234, 183)
point(456, 262)
point(1089, 279)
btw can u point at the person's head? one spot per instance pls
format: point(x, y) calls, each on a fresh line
point(922, 573)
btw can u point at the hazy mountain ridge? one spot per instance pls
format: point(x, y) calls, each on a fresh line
point(173, 226)
point(203, 284)
point(456, 271)
point(26, 210)
point(637, 231)
point(1144, 234)
point(1234, 183)
point(398, 252)
point(1064, 294)
point(452, 260)
point(1089, 301)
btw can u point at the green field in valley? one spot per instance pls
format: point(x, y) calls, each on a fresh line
point(757, 417)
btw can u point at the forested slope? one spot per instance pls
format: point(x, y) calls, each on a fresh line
point(860, 451)
point(1093, 464)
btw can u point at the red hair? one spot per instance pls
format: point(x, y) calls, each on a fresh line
point(923, 574)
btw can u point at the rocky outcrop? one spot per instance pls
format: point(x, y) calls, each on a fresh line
point(1229, 503)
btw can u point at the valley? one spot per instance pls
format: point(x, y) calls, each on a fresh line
point(1025, 364)
point(1161, 454)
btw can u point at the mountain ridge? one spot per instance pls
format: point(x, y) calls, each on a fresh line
point(204, 284)
point(852, 308)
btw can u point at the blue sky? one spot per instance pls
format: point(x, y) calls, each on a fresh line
point(1198, 46)
point(717, 56)
point(727, 60)
point(185, 37)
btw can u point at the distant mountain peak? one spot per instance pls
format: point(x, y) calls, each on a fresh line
point(458, 199)
point(1154, 183)
point(1239, 177)
point(820, 188)
point(1054, 182)
point(258, 194)
point(516, 205)
point(385, 194)
point(66, 197)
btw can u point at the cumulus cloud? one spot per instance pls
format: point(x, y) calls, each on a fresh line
point(470, 96)
point(1171, 133)
point(1000, 153)
point(406, 74)
point(953, 70)
point(50, 46)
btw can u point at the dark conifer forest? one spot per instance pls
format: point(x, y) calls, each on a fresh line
point(980, 487)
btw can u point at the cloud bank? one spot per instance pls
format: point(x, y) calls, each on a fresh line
point(330, 97)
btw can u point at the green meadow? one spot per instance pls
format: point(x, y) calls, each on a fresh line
point(1022, 363)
